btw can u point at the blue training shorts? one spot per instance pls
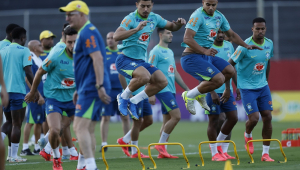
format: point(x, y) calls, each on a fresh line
point(112, 108)
point(36, 113)
point(126, 65)
point(203, 67)
point(89, 107)
point(64, 108)
point(144, 108)
point(255, 100)
point(215, 109)
point(168, 101)
point(15, 102)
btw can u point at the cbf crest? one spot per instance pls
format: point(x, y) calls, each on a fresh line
point(152, 26)
point(173, 103)
point(228, 54)
point(267, 55)
point(218, 23)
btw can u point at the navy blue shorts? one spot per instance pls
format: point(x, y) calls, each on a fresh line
point(112, 108)
point(36, 113)
point(255, 100)
point(168, 101)
point(144, 108)
point(89, 107)
point(126, 65)
point(215, 109)
point(15, 102)
point(64, 108)
point(203, 67)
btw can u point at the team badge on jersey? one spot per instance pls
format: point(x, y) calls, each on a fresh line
point(68, 82)
point(152, 26)
point(228, 54)
point(267, 55)
point(218, 24)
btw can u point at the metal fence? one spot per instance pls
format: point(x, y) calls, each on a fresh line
point(282, 22)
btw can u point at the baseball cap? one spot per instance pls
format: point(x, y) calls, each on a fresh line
point(46, 34)
point(76, 6)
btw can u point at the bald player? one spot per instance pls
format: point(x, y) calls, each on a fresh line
point(35, 111)
point(111, 109)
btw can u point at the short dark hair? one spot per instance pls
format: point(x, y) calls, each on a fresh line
point(160, 30)
point(138, 1)
point(18, 33)
point(65, 25)
point(10, 28)
point(259, 20)
point(69, 31)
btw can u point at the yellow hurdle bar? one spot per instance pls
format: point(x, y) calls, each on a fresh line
point(224, 141)
point(138, 150)
point(266, 140)
point(183, 152)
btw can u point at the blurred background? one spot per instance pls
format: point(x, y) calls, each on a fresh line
point(283, 25)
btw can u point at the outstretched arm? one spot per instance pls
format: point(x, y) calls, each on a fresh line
point(175, 25)
point(268, 69)
point(234, 37)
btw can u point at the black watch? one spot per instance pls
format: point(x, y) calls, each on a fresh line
point(98, 86)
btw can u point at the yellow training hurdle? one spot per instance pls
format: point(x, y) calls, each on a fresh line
point(138, 150)
point(151, 158)
point(264, 140)
point(224, 141)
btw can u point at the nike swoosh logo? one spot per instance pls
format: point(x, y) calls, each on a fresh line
point(207, 23)
point(108, 58)
point(166, 58)
point(253, 56)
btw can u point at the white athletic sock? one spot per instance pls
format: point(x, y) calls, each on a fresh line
point(56, 153)
point(133, 149)
point(193, 93)
point(14, 149)
point(127, 137)
point(265, 149)
point(81, 162)
point(46, 137)
point(126, 93)
point(73, 151)
point(32, 138)
point(213, 147)
point(42, 135)
point(3, 135)
point(65, 150)
point(248, 135)
point(225, 147)
point(139, 97)
point(163, 138)
point(25, 146)
point(90, 164)
point(48, 148)
point(221, 137)
point(36, 147)
point(9, 151)
point(166, 146)
point(104, 143)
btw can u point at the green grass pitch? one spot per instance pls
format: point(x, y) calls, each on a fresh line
point(190, 134)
